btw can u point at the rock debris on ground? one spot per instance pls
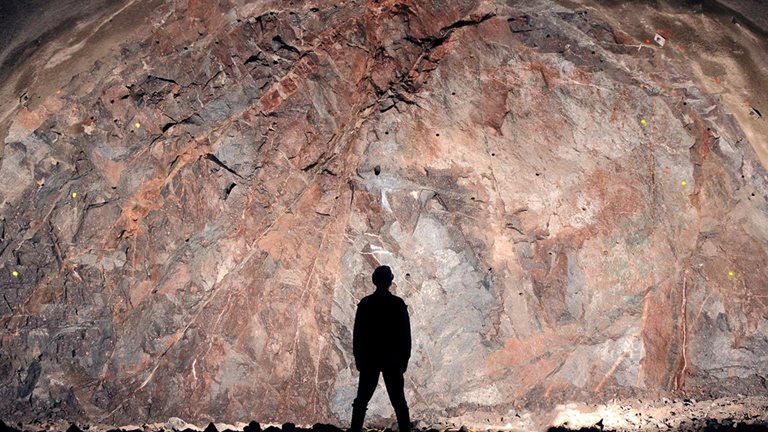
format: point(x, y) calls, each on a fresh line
point(194, 193)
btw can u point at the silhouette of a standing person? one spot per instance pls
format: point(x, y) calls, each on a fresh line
point(382, 345)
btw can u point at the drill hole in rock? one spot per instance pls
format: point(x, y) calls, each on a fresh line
point(377, 170)
point(437, 134)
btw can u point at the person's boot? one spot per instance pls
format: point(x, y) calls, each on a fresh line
point(358, 417)
point(403, 420)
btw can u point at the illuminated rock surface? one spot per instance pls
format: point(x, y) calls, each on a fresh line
point(573, 214)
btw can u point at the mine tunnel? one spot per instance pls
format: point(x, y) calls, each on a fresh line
point(441, 216)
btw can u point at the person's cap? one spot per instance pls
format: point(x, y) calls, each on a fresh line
point(382, 276)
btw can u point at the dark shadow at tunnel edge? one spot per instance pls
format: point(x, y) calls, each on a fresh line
point(700, 425)
point(27, 25)
point(753, 14)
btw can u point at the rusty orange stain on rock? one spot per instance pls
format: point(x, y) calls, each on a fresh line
point(30, 120)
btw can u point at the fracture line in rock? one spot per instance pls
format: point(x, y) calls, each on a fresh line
point(680, 376)
point(36, 227)
point(701, 308)
point(611, 370)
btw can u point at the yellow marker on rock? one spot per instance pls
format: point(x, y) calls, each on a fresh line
point(74, 194)
point(683, 183)
point(731, 273)
point(15, 274)
point(643, 122)
point(137, 124)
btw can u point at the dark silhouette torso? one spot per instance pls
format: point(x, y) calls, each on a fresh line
point(382, 334)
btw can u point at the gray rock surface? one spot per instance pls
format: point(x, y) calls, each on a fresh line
point(187, 226)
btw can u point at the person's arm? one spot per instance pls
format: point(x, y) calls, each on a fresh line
point(406, 326)
point(357, 341)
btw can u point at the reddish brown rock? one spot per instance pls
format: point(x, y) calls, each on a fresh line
point(570, 216)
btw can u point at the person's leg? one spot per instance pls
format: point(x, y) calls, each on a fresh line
point(393, 379)
point(368, 381)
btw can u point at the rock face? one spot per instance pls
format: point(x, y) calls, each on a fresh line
point(188, 226)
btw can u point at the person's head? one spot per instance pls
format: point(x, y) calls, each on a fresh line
point(382, 277)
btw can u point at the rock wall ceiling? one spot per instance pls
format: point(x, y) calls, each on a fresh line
point(188, 225)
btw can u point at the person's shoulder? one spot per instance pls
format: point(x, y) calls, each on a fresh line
point(399, 301)
point(365, 300)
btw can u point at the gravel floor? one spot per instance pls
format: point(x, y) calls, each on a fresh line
point(732, 413)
